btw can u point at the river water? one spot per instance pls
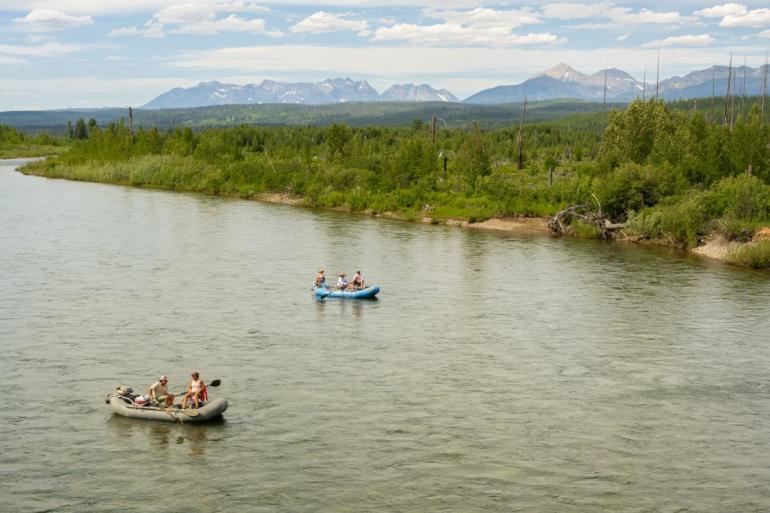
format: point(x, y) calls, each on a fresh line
point(496, 373)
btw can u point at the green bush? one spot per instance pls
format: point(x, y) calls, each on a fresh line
point(682, 219)
point(632, 187)
point(756, 255)
point(585, 230)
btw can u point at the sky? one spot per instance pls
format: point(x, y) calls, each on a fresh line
point(111, 53)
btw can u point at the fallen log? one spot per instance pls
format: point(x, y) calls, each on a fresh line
point(559, 222)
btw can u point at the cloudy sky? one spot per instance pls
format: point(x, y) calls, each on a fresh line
point(92, 53)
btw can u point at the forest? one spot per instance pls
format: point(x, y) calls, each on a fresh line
point(16, 144)
point(664, 172)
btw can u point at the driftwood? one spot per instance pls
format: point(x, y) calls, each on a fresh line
point(559, 223)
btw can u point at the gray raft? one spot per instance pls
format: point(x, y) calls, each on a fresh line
point(211, 410)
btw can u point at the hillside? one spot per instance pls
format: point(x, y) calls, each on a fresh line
point(354, 114)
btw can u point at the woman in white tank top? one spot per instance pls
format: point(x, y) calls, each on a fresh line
point(195, 391)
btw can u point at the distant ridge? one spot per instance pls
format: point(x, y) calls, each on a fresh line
point(564, 82)
point(561, 82)
point(337, 90)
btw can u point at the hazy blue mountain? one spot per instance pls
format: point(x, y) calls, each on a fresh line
point(416, 93)
point(269, 91)
point(534, 89)
point(701, 83)
point(564, 82)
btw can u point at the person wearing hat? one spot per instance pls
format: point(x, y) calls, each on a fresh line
point(159, 392)
point(342, 283)
point(320, 279)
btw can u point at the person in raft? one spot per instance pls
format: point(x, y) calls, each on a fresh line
point(342, 283)
point(196, 391)
point(358, 281)
point(320, 279)
point(159, 392)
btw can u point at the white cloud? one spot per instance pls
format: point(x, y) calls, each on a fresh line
point(576, 11)
point(198, 18)
point(645, 16)
point(121, 7)
point(44, 50)
point(720, 11)
point(737, 15)
point(321, 22)
point(624, 37)
point(453, 33)
point(49, 20)
point(766, 34)
point(127, 31)
point(754, 18)
point(486, 18)
point(479, 26)
point(153, 30)
point(230, 24)
point(618, 15)
point(689, 40)
point(201, 18)
point(185, 13)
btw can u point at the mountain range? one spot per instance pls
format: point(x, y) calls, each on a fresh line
point(337, 90)
point(559, 82)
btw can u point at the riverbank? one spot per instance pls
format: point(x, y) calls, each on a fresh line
point(189, 175)
point(715, 247)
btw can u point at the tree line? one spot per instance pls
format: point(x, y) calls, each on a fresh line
point(668, 172)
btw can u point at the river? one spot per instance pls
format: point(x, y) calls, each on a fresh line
point(496, 373)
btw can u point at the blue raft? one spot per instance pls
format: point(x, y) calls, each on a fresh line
point(367, 293)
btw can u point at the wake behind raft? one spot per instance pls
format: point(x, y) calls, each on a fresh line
point(325, 292)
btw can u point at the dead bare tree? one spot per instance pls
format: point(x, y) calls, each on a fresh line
point(727, 92)
point(604, 101)
point(131, 122)
point(743, 89)
point(764, 85)
point(520, 138)
point(713, 90)
point(559, 223)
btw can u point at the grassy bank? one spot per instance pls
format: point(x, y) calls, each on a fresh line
point(755, 255)
point(15, 144)
point(670, 175)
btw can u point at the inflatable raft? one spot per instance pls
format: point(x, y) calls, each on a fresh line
point(123, 405)
point(367, 293)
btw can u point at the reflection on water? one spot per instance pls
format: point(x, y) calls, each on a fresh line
point(197, 438)
point(495, 372)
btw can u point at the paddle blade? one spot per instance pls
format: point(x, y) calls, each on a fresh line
point(215, 383)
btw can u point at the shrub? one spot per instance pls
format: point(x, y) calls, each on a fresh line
point(585, 230)
point(683, 219)
point(756, 255)
point(632, 187)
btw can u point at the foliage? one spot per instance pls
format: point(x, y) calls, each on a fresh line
point(16, 144)
point(756, 255)
point(671, 173)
